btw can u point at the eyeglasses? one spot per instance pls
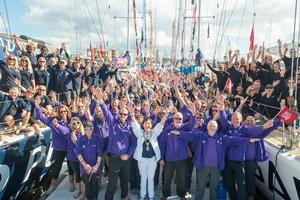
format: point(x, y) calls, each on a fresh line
point(76, 123)
point(178, 118)
point(88, 128)
point(124, 114)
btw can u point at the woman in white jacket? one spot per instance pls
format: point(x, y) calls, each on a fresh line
point(147, 152)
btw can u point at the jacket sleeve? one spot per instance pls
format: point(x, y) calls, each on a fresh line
point(158, 129)
point(100, 146)
point(136, 128)
point(224, 122)
point(107, 114)
point(233, 140)
point(78, 147)
point(190, 124)
point(163, 145)
point(40, 115)
point(132, 145)
point(267, 131)
point(189, 136)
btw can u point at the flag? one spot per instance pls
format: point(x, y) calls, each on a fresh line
point(208, 31)
point(287, 115)
point(101, 51)
point(92, 53)
point(251, 47)
point(228, 86)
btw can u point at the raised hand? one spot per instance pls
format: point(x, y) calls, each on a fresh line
point(37, 101)
point(268, 124)
point(55, 122)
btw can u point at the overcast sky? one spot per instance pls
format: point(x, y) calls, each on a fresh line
point(56, 21)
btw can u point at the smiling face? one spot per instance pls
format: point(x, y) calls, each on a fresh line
point(147, 125)
point(250, 121)
point(14, 93)
point(123, 115)
point(212, 127)
point(236, 119)
point(177, 119)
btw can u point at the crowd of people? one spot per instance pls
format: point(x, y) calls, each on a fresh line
point(132, 126)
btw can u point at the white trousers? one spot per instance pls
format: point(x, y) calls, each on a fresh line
point(147, 167)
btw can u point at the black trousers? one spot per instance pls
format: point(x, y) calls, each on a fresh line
point(59, 157)
point(250, 169)
point(117, 168)
point(234, 174)
point(76, 170)
point(135, 178)
point(188, 173)
point(91, 186)
point(170, 167)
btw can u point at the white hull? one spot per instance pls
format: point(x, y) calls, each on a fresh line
point(287, 185)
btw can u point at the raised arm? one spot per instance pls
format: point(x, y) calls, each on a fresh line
point(107, 114)
point(39, 114)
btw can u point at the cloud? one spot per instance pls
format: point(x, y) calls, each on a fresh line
point(274, 19)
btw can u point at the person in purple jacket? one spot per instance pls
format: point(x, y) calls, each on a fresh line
point(121, 146)
point(234, 172)
point(59, 128)
point(77, 131)
point(89, 150)
point(255, 152)
point(209, 156)
point(174, 155)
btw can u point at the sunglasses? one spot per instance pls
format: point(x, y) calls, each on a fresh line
point(11, 59)
point(124, 114)
point(88, 128)
point(215, 110)
point(76, 123)
point(177, 118)
point(80, 106)
point(24, 60)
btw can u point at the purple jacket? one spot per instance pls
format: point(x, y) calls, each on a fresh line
point(71, 154)
point(222, 142)
point(102, 128)
point(174, 148)
point(121, 138)
point(59, 141)
point(89, 149)
point(238, 153)
point(258, 148)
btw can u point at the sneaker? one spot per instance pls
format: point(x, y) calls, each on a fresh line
point(188, 195)
point(71, 187)
point(50, 190)
point(76, 194)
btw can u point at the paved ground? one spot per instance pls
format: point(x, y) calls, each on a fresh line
point(61, 191)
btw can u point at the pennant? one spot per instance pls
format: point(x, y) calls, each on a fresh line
point(228, 86)
point(208, 31)
point(251, 46)
point(287, 115)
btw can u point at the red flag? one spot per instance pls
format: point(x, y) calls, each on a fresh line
point(228, 86)
point(287, 115)
point(92, 53)
point(251, 47)
point(101, 51)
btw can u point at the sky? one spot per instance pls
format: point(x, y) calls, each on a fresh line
point(59, 21)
